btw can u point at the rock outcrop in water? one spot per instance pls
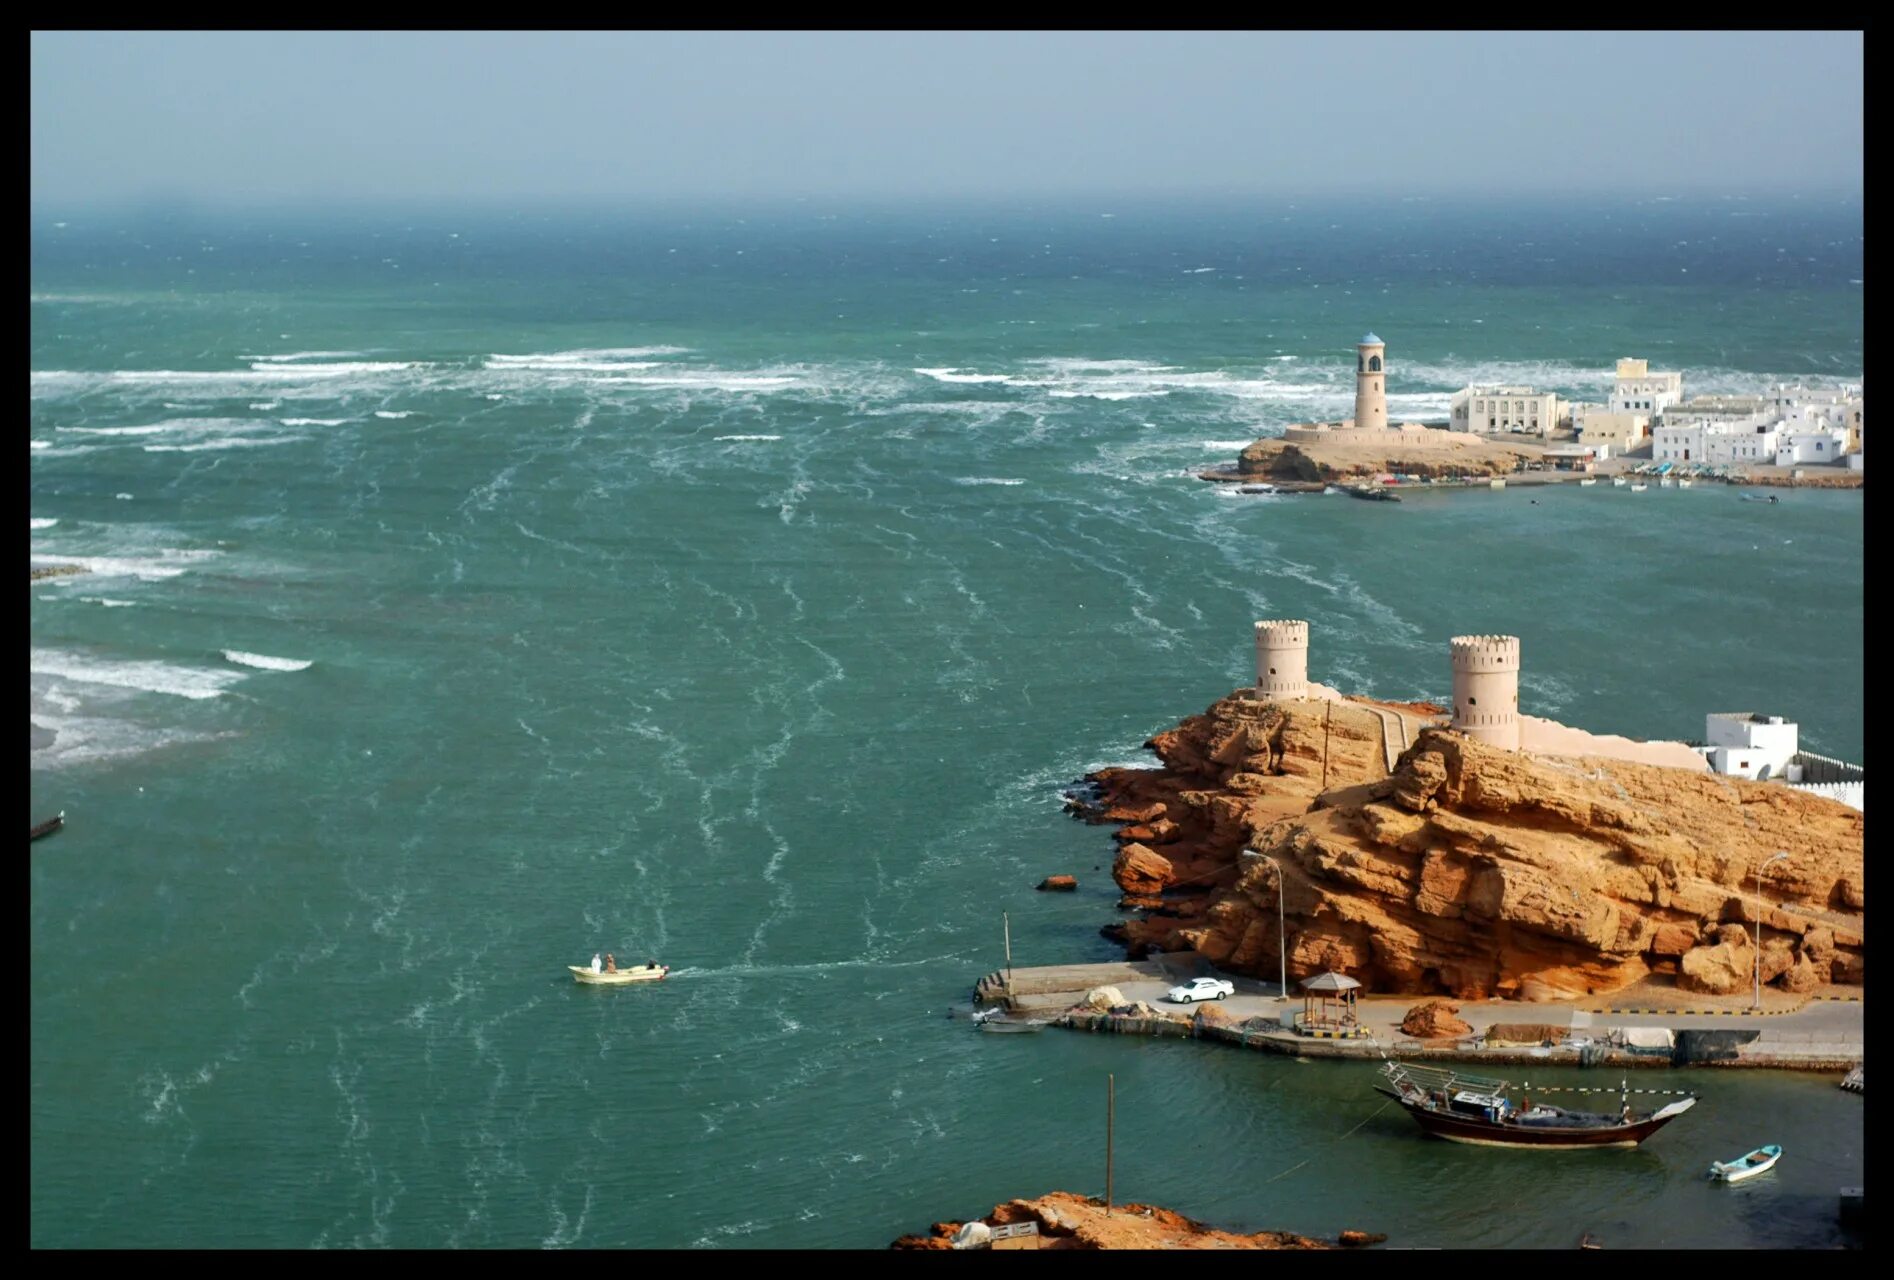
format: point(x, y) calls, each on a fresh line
point(1348, 455)
point(1470, 871)
point(1067, 1221)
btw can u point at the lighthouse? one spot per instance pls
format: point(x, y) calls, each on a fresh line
point(1371, 400)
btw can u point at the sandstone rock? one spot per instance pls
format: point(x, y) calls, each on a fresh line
point(1715, 970)
point(1470, 871)
point(1103, 998)
point(1355, 1239)
point(1434, 1020)
point(1212, 1015)
point(1061, 884)
point(1673, 939)
point(1138, 869)
point(1068, 1221)
point(1801, 977)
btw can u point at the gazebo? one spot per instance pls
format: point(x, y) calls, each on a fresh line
point(1328, 1002)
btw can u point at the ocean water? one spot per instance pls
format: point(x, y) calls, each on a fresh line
point(740, 588)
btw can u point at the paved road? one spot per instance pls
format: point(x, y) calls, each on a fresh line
point(1383, 1016)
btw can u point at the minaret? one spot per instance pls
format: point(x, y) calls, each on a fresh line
point(1371, 400)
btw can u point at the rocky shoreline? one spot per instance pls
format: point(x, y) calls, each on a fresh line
point(1062, 1220)
point(1458, 869)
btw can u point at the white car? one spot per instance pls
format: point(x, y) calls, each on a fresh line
point(1201, 989)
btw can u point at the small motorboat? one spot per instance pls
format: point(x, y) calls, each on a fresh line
point(1639, 488)
point(1685, 483)
point(980, 1017)
point(1587, 483)
point(49, 826)
point(1618, 482)
point(1761, 1160)
point(618, 977)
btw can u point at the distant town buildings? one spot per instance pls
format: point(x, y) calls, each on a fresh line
point(1638, 390)
point(1497, 410)
point(1745, 745)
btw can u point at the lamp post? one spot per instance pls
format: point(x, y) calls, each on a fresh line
point(1758, 874)
point(1282, 936)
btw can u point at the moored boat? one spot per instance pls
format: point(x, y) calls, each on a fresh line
point(1477, 1111)
point(1639, 488)
point(1618, 482)
point(618, 977)
point(1588, 482)
point(49, 826)
point(1761, 1160)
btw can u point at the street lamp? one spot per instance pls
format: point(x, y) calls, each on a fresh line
point(1282, 936)
point(1759, 870)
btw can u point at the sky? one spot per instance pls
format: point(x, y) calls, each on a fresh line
point(248, 118)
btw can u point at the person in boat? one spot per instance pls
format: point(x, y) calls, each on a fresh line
point(597, 967)
point(651, 964)
point(611, 963)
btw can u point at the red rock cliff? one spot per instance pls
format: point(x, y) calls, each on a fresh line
point(1472, 871)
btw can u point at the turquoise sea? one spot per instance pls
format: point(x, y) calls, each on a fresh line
point(471, 592)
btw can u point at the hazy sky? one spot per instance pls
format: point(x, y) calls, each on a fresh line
point(265, 117)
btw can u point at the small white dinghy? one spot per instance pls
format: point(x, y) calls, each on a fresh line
point(1761, 1160)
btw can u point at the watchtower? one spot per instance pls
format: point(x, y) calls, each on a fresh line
point(1486, 689)
point(1371, 400)
point(1282, 660)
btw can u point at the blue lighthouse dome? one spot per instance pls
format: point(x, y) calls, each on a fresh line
point(1371, 341)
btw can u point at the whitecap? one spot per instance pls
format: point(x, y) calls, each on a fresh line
point(303, 355)
point(150, 677)
point(236, 442)
point(391, 413)
point(264, 661)
point(44, 522)
point(954, 375)
point(42, 444)
point(745, 438)
point(166, 564)
point(314, 422)
point(1004, 480)
point(107, 601)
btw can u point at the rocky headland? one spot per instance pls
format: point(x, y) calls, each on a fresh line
point(1339, 455)
point(1067, 1221)
point(1469, 871)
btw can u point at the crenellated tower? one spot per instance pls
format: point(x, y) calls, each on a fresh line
point(1486, 689)
point(1282, 660)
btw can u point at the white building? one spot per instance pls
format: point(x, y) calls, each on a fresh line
point(1742, 744)
point(1745, 745)
point(1638, 390)
point(1491, 410)
point(1699, 410)
point(1753, 441)
point(1796, 446)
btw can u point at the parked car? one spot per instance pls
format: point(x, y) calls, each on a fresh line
point(1201, 989)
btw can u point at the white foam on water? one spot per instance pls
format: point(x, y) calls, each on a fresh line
point(303, 355)
point(42, 444)
point(265, 406)
point(167, 564)
point(234, 442)
point(157, 428)
point(1227, 444)
point(107, 602)
point(708, 381)
point(575, 366)
point(746, 437)
point(123, 497)
point(151, 677)
point(1005, 480)
point(1109, 395)
point(392, 413)
point(314, 422)
point(584, 355)
point(43, 522)
point(954, 375)
point(265, 662)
